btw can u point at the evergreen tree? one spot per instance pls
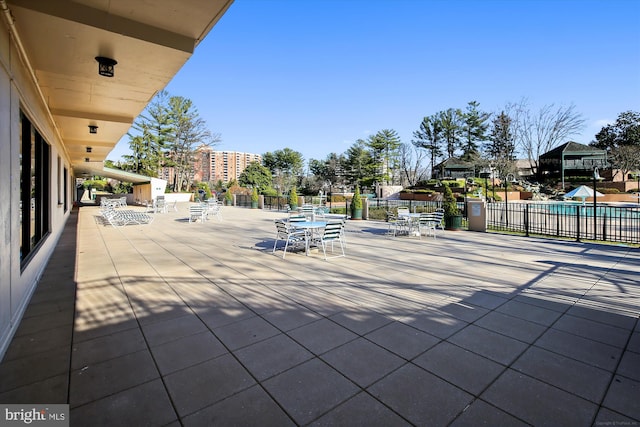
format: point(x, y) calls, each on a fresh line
point(384, 147)
point(329, 171)
point(189, 133)
point(257, 176)
point(474, 131)
point(153, 130)
point(501, 147)
point(359, 165)
point(428, 136)
point(451, 122)
point(622, 142)
point(286, 166)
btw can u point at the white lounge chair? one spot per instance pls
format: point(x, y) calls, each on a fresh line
point(121, 217)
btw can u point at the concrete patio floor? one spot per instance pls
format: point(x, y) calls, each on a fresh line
point(178, 323)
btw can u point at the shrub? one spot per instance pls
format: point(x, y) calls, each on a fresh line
point(293, 197)
point(356, 202)
point(449, 203)
point(609, 190)
point(254, 195)
point(453, 183)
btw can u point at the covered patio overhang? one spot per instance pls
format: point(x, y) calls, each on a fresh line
point(59, 43)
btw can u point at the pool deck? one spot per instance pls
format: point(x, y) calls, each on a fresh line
point(199, 324)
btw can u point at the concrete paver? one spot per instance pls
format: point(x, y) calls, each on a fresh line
point(199, 324)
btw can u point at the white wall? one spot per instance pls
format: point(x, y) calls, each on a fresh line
point(17, 92)
point(5, 208)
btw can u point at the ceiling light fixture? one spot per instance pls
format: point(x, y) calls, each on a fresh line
point(105, 66)
point(93, 129)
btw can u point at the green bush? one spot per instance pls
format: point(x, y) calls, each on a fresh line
point(449, 203)
point(377, 213)
point(608, 190)
point(98, 184)
point(270, 192)
point(453, 183)
point(293, 197)
point(254, 195)
point(356, 202)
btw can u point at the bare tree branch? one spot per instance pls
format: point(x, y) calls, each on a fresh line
point(539, 133)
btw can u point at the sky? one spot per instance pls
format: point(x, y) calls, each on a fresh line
point(317, 75)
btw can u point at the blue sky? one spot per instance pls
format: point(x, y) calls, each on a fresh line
point(315, 76)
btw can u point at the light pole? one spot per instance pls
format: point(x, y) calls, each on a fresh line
point(486, 185)
point(596, 176)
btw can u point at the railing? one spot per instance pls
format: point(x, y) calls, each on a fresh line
point(620, 224)
point(279, 203)
point(565, 220)
point(411, 204)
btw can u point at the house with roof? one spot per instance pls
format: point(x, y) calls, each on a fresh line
point(453, 167)
point(571, 159)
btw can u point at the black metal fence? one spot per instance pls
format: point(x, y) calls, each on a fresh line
point(564, 220)
point(281, 203)
point(413, 205)
point(620, 224)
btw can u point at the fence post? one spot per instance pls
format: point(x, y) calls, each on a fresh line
point(578, 210)
point(526, 220)
point(604, 226)
point(506, 211)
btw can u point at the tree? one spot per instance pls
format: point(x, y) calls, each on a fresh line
point(286, 160)
point(286, 165)
point(474, 131)
point(328, 172)
point(451, 124)
point(257, 176)
point(501, 147)
point(359, 165)
point(411, 161)
point(153, 130)
point(622, 142)
point(428, 137)
point(167, 134)
point(550, 127)
point(189, 133)
point(384, 150)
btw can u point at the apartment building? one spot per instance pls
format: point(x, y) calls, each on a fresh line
point(213, 166)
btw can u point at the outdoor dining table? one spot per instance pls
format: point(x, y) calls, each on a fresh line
point(309, 227)
point(413, 221)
